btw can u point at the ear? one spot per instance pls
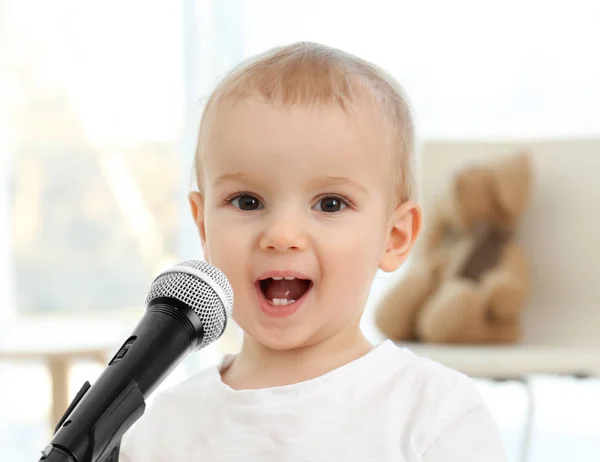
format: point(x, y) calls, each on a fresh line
point(405, 226)
point(196, 200)
point(511, 182)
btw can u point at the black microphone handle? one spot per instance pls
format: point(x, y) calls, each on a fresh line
point(56, 454)
point(53, 454)
point(166, 333)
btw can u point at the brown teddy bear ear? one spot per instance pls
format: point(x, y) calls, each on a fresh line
point(511, 179)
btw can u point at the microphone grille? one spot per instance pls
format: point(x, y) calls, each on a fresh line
point(203, 288)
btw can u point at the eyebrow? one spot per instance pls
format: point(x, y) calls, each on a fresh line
point(319, 182)
point(337, 180)
point(231, 177)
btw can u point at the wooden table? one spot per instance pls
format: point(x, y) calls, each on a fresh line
point(59, 344)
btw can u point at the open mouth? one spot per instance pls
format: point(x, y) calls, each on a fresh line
point(281, 291)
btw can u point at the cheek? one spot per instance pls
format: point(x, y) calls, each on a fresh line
point(351, 257)
point(360, 240)
point(226, 245)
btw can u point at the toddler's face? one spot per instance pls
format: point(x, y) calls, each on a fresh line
point(295, 213)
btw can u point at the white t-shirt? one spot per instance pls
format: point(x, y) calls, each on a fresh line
point(388, 405)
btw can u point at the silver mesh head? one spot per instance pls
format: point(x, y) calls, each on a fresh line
point(203, 288)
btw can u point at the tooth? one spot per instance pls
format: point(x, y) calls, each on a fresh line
point(277, 278)
point(290, 278)
point(282, 301)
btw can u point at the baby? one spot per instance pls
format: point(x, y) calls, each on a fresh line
point(305, 189)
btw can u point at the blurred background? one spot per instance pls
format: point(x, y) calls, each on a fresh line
point(99, 109)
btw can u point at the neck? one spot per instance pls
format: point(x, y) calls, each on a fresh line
point(257, 366)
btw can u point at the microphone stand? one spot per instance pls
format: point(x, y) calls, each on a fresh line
point(101, 442)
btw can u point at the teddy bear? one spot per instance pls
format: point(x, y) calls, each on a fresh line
point(469, 280)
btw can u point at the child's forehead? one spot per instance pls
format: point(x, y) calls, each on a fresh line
point(255, 121)
point(256, 142)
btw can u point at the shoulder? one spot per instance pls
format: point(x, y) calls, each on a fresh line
point(431, 399)
point(169, 414)
point(426, 378)
point(419, 385)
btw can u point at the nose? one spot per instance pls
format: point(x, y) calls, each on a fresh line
point(283, 233)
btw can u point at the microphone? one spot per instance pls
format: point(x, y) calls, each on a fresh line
point(187, 308)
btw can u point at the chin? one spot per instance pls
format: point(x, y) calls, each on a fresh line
point(282, 339)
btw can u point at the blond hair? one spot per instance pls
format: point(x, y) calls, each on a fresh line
point(307, 73)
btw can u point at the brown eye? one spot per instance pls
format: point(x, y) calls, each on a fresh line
point(246, 202)
point(331, 204)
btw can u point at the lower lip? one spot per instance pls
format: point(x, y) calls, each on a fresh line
point(280, 311)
